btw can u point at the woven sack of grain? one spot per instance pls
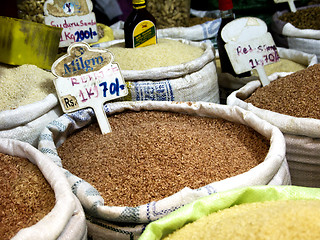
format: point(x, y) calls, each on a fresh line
point(288, 36)
point(236, 197)
point(28, 103)
point(66, 220)
point(229, 83)
point(273, 170)
point(28, 131)
point(301, 135)
point(195, 80)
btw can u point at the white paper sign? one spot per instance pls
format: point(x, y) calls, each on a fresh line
point(75, 28)
point(250, 46)
point(92, 89)
point(75, 17)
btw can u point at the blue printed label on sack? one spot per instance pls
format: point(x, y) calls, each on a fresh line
point(88, 78)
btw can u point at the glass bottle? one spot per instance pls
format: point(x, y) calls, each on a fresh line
point(227, 15)
point(140, 26)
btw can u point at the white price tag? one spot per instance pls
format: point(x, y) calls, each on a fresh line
point(92, 89)
point(250, 46)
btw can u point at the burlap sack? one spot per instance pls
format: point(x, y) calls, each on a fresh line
point(26, 122)
point(195, 80)
point(129, 222)
point(66, 220)
point(301, 134)
point(288, 36)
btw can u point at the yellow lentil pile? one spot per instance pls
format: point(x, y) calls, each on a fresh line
point(163, 54)
point(284, 65)
point(151, 155)
point(31, 10)
point(272, 220)
point(296, 95)
point(170, 13)
point(26, 197)
point(23, 85)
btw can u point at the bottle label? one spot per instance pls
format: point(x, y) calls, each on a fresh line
point(144, 34)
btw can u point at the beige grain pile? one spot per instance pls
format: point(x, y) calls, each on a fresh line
point(26, 197)
point(165, 53)
point(296, 95)
point(23, 85)
point(273, 220)
point(151, 155)
point(284, 65)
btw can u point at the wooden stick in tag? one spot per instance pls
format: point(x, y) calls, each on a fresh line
point(292, 6)
point(102, 120)
point(262, 75)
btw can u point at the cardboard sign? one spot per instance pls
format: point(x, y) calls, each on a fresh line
point(250, 46)
point(88, 78)
point(75, 17)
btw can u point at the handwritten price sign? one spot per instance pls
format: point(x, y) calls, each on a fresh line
point(250, 46)
point(92, 89)
point(76, 19)
point(255, 52)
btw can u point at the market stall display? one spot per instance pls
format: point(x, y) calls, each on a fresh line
point(126, 215)
point(187, 147)
point(36, 200)
point(270, 212)
point(290, 103)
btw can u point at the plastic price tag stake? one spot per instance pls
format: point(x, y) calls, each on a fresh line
point(75, 17)
point(88, 77)
point(250, 46)
point(290, 2)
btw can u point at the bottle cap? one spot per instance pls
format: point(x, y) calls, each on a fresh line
point(225, 5)
point(138, 4)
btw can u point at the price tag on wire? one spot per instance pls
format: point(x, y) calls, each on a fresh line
point(250, 46)
point(88, 78)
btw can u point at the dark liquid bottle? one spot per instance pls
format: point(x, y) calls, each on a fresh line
point(140, 26)
point(225, 7)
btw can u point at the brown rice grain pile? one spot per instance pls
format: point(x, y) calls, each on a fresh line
point(26, 197)
point(23, 85)
point(165, 53)
point(270, 220)
point(151, 155)
point(296, 95)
